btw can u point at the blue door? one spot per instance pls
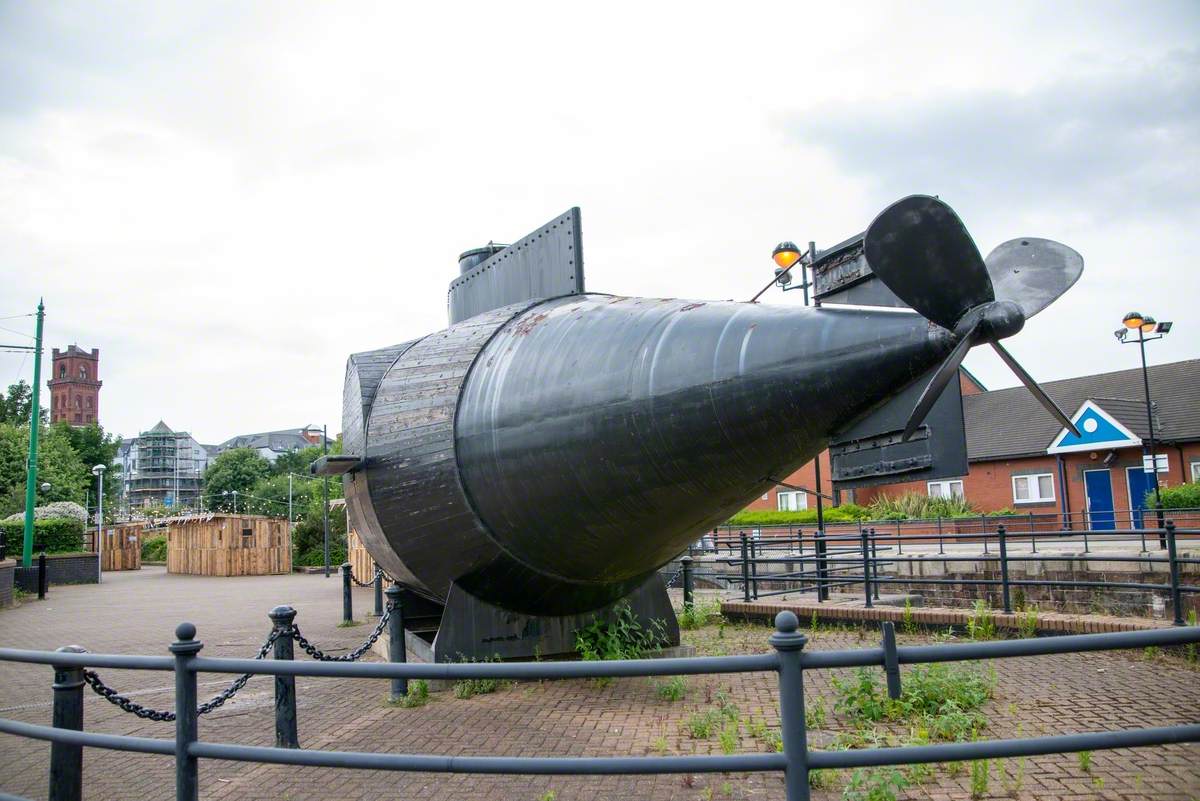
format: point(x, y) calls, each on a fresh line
point(1140, 482)
point(1098, 485)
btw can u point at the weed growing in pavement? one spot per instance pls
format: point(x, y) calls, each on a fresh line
point(671, 690)
point(660, 745)
point(549, 795)
point(701, 725)
point(1085, 761)
point(346, 624)
point(980, 774)
point(927, 691)
point(814, 625)
point(880, 784)
point(697, 614)
point(727, 789)
point(981, 624)
point(1151, 653)
point(469, 688)
point(823, 779)
point(814, 714)
point(908, 623)
point(622, 637)
point(729, 736)
point(418, 695)
point(1027, 623)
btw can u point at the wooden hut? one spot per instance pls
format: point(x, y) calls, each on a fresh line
point(228, 545)
point(362, 565)
point(121, 547)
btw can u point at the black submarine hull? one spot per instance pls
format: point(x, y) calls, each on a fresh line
point(549, 456)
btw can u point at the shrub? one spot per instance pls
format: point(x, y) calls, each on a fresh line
point(915, 506)
point(1183, 496)
point(418, 694)
point(56, 534)
point(701, 725)
point(846, 513)
point(620, 637)
point(154, 549)
point(697, 615)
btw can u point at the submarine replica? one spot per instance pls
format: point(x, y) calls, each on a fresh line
point(539, 460)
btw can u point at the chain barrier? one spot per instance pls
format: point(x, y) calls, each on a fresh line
point(319, 655)
point(128, 705)
point(371, 583)
point(671, 581)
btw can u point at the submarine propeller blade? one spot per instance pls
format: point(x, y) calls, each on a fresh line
point(922, 252)
point(1033, 272)
point(933, 390)
point(1033, 387)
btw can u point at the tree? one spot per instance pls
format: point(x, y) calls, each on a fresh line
point(235, 470)
point(296, 461)
point(95, 447)
point(58, 465)
point(15, 406)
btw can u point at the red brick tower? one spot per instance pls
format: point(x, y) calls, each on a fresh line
point(75, 386)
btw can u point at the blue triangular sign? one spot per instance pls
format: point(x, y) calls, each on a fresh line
point(1098, 429)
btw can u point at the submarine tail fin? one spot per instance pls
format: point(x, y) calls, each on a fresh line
point(923, 253)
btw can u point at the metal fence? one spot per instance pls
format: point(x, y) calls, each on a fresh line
point(789, 661)
point(831, 560)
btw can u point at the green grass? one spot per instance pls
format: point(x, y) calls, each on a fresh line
point(877, 784)
point(980, 775)
point(981, 624)
point(418, 695)
point(697, 614)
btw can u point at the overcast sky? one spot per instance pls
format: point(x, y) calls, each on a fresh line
point(229, 198)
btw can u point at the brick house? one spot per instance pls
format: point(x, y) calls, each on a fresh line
point(1021, 458)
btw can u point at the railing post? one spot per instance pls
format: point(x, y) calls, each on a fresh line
point(745, 567)
point(347, 600)
point(66, 761)
point(286, 735)
point(941, 543)
point(1000, 534)
point(378, 592)
point(1173, 563)
point(754, 552)
point(820, 549)
point(983, 532)
point(43, 579)
point(688, 586)
point(1032, 534)
point(891, 660)
point(866, 560)
point(1085, 537)
point(875, 564)
point(185, 648)
point(397, 651)
point(788, 643)
point(899, 542)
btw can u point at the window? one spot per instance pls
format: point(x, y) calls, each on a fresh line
point(62, 371)
point(1195, 471)
point(83, 373)
point(945, 489)
point(792, 501)
point(1033, 488)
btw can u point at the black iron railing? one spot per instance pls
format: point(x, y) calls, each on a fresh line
point(789, 661)
point(832, 560)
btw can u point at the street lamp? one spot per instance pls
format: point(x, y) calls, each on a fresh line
point(1144, 324)
point(98, 472)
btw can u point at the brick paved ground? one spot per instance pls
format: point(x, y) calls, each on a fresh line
point(136, 612)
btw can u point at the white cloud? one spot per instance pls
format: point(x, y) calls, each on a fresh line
point(228, 199)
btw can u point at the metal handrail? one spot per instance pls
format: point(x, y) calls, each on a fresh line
point(789, 661)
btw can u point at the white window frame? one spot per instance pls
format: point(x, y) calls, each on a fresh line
point(948, 486)
point(1195, 471)
point(1034, 485)
point(801, 500)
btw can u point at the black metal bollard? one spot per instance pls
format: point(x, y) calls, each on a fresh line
point(866, 561)
point(378, 583)
point(745, 568)
point(396, 647)
point(286, 734)
point(688, 583)
point(66, 761)
point(1173, 563)
point(347, 600)
point(43, 579)
point(788, 642)
point(1004, 591)
point(187, 719)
